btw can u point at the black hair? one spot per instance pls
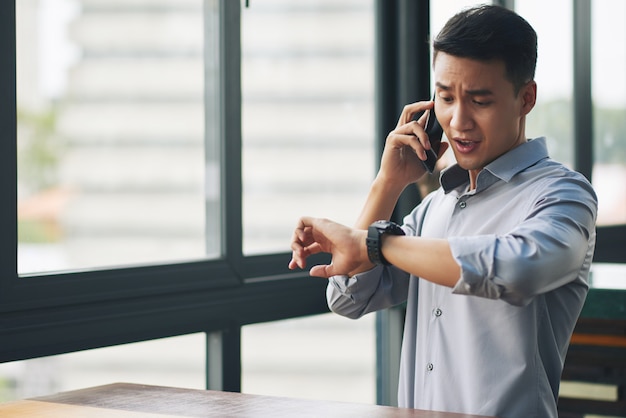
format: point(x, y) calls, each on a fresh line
point(490, 32)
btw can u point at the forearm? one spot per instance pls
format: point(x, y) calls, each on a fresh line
point(380, 202)
point(430, 259)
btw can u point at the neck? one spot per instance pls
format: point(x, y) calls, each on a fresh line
point(521, 138)
point(473, 175)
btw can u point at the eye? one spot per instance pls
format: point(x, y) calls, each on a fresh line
point(481, 103)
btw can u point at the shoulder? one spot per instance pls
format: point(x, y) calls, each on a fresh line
point(550, 179)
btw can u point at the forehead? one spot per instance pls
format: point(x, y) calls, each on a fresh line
point(452, 72)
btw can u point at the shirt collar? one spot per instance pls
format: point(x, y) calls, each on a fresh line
point(504, 167)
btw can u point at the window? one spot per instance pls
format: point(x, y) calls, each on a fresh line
point(135, 286)
point(176, 361)
point(307, 149)
point(307, 115)
point(174, 288)
point(231, 198)
point(608, 66)
point(324, 357)
point(114, 164)
point(552, 116)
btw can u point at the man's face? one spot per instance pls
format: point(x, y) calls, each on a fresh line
point(477, 107)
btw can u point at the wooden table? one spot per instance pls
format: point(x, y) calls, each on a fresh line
point(140, 401)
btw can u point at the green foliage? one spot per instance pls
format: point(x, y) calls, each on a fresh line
point(37, 231)
point(609, 135)
point(555, 121)
point(39, 149)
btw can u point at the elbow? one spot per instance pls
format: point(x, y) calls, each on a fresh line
point(520, 284)
point(524, 279)
point(343, 310)
point(341, 304)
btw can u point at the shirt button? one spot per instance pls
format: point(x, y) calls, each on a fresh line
point(430, 367)
point(462, 204)
point(437, 312)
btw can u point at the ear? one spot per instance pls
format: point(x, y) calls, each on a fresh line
point(528, 95)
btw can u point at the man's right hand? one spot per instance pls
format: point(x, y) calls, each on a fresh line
point(405, 147)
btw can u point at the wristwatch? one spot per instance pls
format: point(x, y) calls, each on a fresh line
point(374, 236)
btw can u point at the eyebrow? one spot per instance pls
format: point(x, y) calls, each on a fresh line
point(474, 92)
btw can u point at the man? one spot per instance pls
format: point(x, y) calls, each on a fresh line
point(494, 264)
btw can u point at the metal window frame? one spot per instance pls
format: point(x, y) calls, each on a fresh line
point(55, 313)
point(402, 77)
point(611, 240)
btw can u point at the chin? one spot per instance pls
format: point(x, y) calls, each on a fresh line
point(470, 165)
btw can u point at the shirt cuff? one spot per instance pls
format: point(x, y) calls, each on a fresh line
point(476, 257)
point(352, 286)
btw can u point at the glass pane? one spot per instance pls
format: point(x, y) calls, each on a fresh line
point(308, 115)
point(441, 11)
point(552, 116)
point(608, 51)
point(608, 276)
point(111, 133)
point(174, 362)
point(326, 357)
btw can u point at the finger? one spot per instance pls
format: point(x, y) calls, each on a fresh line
point(302, 234)
point(412, 109)
point(298, 259)
point(298, 244)
point(422, 119)
point(313, 249)
point(293, 264)
point(421, 134)
point(409, 136)
point(302, 238)
point(425, 139)
point(303, 223)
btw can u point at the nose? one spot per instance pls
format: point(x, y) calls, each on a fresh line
point(461, 117)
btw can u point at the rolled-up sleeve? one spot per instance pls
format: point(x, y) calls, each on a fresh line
point(378, 288)
point(549, 249)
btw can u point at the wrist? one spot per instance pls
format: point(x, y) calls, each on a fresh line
point(373, 242)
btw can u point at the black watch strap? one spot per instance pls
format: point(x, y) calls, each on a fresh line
point(374, 236)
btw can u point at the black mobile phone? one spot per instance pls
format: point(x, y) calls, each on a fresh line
point(435, 132)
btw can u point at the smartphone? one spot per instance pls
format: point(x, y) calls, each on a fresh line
point(435, 132)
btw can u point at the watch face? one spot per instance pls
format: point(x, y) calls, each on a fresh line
point(389, 227)
point(381, 224)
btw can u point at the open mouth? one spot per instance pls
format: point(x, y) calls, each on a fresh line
point(466, 146)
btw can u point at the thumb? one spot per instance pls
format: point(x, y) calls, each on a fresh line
point(323, 270)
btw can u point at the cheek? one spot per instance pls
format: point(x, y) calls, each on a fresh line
point(500, 122)
point(443, 116)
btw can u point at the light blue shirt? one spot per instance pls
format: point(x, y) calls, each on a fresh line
point(494, 344)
